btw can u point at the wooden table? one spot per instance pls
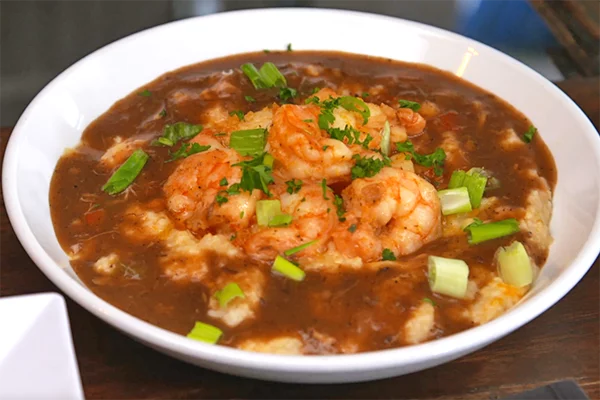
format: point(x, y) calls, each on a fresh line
point(561, 343)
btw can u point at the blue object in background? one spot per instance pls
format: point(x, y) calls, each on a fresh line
point(504, 23)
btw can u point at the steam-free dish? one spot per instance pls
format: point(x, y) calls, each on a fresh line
point(305, 202)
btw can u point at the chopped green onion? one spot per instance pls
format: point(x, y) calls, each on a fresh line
point(385, 139)
point(297, 249)
point(454, 201)
point(267, 77)
point(250, 142)
point(228, 293)
point(388, 255)
point(479, 232)
point(475, 180)
point(288, 269)
point(514, 265)
point(528, 136)
point(268, 160)
point(457, 179)
point(448, 276)
point(266, 210)
point(356, 104)
point(205, 333)
point(413, 105)
point(280, 220)
point(127, 172)
point(176, 132)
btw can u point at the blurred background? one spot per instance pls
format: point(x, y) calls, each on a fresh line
point(39, 39)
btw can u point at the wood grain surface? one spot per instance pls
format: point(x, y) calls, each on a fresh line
point(562, 343)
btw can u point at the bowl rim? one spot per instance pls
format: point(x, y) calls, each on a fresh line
point(449, 346)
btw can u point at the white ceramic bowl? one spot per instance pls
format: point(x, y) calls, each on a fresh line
point(57, 116)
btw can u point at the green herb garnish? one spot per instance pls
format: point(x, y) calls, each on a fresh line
point(126, 174)
point(368, 167)
point(293, 186)
point(435, 159)
point(249, 99)
point(388, 255)
point(145, 93)
point(267, 77)
point(186, 150)
point(220, 199)
point(223, 182)
point(338, 201)
point(324, 187)
point(255, 175)
point(413, 105)
point(528, 136)
point(172, 134)
point(163, 113)
point(249, 142)
point(237, 113)
point(289, 47)
point(352, 228)
point(287, 93)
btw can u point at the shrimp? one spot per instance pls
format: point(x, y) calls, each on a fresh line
point(395, 209)
point(314, 216)
point(411, 120)
point(191, 190)
point(303, 149)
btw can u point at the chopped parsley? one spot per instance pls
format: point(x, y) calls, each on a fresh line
point(528, 136)
point(266, 51)
point(289, 47)
point(233, 189)
point(368, 167)
point(220, 199)
point(255, 174)
point(232, 237)
point(249, 99)
point(413, 105)
point(388, 255)
point(186, 150)
point(339, 205)
point(220, 134)
point(351, 135)
point(287, 93)
point(172, 134)
point(365, 94)
point(324, 187)
point(308, 121)
point(352, 228)
point(223, 182)
point(325, 147)
point(293, 186)
point(145, 93)
point(315, 90)
point(237, 113)
point(435, 159)
point(163, 113)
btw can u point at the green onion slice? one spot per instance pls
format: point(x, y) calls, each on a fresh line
point(126, 174)
point(356, 104)
point(475, 180)
point(480, 232)
point(288, 269)
point(385, 139)
point(268, 160)
point(205, 333)
point(297, 249)
point(228, 293)
point(448, 276)
point(280, 220)
point(267, 77)
point(266, 210)
point(250, 142)
point(514, 265)
point(454, 201)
